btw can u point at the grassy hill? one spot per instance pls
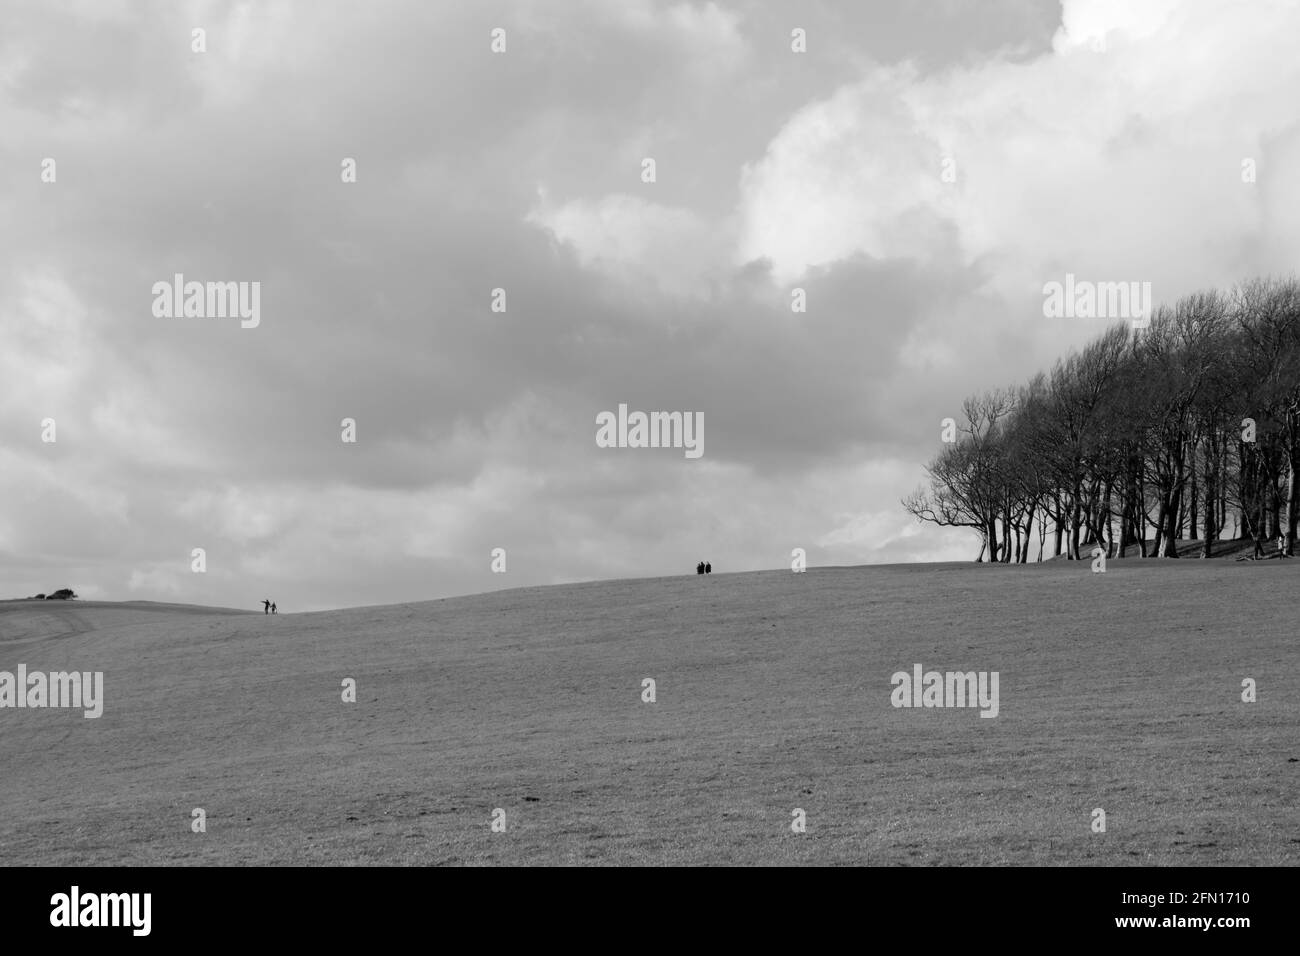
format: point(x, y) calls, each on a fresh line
point(1185, 548)
point(1117, 690)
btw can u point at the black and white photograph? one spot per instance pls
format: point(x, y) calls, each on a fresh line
point(643, 434)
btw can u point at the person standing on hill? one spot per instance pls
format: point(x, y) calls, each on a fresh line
point(266, 606)
point(708, 567)
point(272, 607)
point(699, 568)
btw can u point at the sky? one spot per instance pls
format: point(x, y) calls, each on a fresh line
point(920, 171)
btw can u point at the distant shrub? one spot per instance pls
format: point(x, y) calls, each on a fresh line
point(62, 594)
point(39, 597)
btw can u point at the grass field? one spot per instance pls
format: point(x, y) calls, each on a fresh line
point(1119, 690)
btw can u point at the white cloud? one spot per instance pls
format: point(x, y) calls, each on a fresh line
point(1084, 23)
point(1107, 163)
point(632, 238)
point(709, 34)
point(159, 579)
point(48, 347)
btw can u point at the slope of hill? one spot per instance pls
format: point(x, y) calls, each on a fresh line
point(1119, 691)
point(1187, 548)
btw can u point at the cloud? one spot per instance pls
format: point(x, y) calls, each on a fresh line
point(1074, 160)
point(633, 239)
point(1088, 25)
point(1119, 159)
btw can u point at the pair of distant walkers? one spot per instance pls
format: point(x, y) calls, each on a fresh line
point(268, 607)
point(704, 567)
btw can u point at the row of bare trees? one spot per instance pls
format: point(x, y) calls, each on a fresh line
point(1186, 429)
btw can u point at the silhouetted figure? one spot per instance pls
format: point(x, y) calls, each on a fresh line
point(699, 568)
point(708, 568)
point(272, 607)
point(266, 607)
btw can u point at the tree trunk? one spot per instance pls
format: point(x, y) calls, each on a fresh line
point(1074, 529)
point(1172, 515)
point(1274, 514)
point(1058, 519)
point(1211, 523)
point(1161, 514)
point(1292, 500)
point(1171, 533)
